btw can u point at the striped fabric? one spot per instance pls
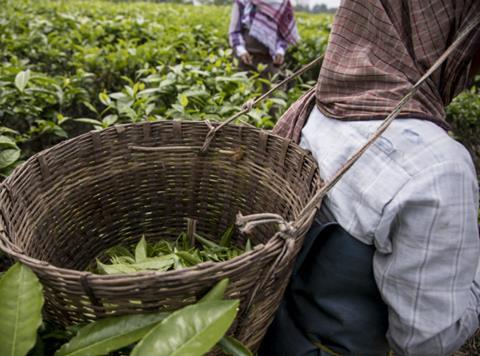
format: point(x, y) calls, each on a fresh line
point(269, 21)
point(378, 49)
point(274, 18)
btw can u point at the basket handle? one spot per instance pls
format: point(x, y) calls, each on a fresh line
point(285, 232)
point(251, 103)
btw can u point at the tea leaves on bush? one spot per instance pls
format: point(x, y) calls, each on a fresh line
point(68, 67)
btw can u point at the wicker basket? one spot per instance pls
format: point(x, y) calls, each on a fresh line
point(66, 205)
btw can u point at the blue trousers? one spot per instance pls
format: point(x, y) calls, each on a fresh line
point(332, 300)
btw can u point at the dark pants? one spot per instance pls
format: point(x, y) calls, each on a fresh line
point(260, 55)
point(332, 299)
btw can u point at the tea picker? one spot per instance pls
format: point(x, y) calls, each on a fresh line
point(260, 32)
point(359, 322)
point(394, 261)
point(149, 179)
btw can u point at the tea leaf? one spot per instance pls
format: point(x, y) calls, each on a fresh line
point(141, 250)
point(226, 238)
point(21, 310)
point(188, 257)
point(248, 246)
point(86, 120)
point(21, 80)
point(105, 99)
point(231, 346)
point(109, 120)
point(8, 157)
point(107, 335)
point(116, 268)
point(162, 263)
point(193, 330)
point(217, 292)
point(7, 142)
point(183, 100)
point(207, 243)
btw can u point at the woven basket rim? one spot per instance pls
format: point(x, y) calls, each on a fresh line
point(199, 268)
point(148, 275)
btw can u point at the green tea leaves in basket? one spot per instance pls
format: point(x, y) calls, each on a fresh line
point(193, 330)
point(20, 310)
point(104, 336)
point(188, 258)
point(165, 255)
point(141, 250)
point(226, 239)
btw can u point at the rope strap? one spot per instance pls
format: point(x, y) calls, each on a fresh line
point(249, 222)
point(251, 103)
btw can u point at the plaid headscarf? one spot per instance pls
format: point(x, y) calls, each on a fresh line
point(378, 49)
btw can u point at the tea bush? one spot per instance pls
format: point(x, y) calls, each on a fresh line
point(68, 66)
point(464, 117)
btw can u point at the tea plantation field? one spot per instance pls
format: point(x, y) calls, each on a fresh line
point(69, 67)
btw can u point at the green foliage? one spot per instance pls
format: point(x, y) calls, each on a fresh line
point(164, 256)
point(68, 67)
point(217, 292)
point(111, 334)
point(464, 117)
point(9, 153)
point(193, 330)
point(20, 310)
point(104, 336)
point(231, 346)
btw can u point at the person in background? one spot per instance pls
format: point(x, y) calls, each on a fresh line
point(260, 32)
point(392, 260)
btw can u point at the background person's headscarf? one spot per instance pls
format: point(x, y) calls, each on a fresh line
point(272, 18)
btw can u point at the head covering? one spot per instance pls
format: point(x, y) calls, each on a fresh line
point(272, 18)
point(379, 49)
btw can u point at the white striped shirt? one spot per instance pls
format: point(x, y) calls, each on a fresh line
point(414, 195)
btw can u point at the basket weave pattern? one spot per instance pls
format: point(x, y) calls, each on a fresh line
point(66, 205)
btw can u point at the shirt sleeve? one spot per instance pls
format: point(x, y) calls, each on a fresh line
point(235, 31)
point(281, 46)
point(426, 264)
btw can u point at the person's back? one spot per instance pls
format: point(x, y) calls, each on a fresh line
point(413, 197)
